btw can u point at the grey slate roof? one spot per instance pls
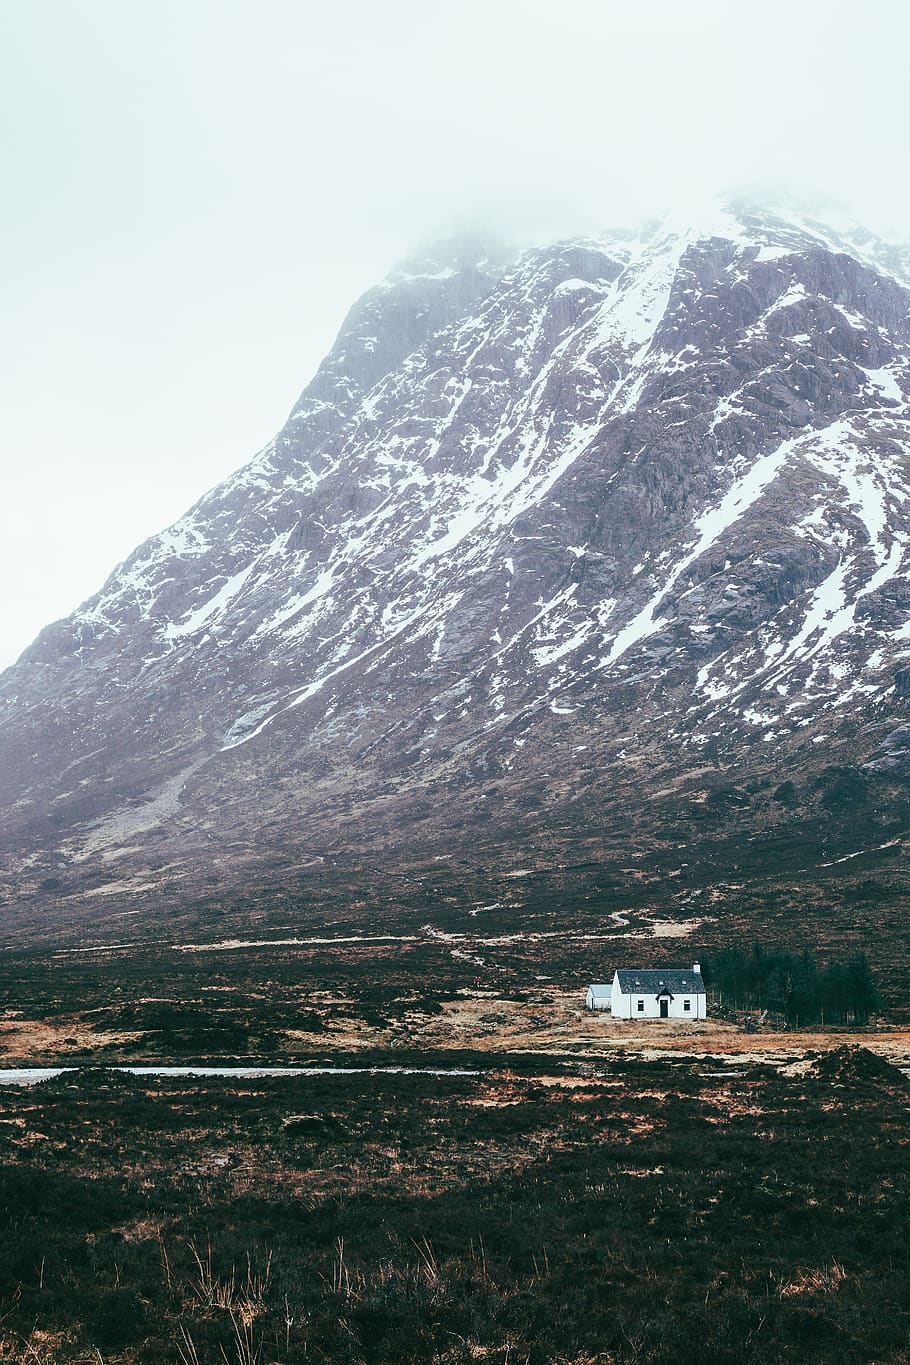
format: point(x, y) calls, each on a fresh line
point(653, 982)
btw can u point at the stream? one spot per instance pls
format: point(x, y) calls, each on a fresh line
point(33, 1075)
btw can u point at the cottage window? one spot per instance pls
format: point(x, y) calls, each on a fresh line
point(687, 1005)
point(641, 1007)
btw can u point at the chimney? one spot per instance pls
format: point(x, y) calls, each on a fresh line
point(696, 967)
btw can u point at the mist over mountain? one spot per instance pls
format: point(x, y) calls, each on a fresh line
point(587, 544)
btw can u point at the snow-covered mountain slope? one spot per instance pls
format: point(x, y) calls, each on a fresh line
point(538, 528)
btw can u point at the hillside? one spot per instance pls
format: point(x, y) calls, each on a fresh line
point(590, 554)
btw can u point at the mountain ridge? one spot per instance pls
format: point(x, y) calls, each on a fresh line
point(521, 502)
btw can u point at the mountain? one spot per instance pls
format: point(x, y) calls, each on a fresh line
point(602, 544)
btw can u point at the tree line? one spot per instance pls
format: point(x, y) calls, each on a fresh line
point(794, 985)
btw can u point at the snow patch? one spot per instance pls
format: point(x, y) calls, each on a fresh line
point(211, 610)
point(886, 382)
point(709, 527)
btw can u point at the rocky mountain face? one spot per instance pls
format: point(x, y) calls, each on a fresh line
point(571, 541)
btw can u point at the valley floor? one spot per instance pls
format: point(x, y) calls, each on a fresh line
point(585, 1192)
point(553, 1208)
point(336, 1029)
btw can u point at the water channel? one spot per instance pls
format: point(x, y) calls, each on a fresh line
point(34, 1075)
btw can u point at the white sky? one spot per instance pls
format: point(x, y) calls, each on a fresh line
point(196, 190)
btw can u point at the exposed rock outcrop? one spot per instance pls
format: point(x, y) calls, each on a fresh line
point(538, 528)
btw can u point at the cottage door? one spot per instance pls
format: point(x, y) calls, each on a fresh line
point(664, 1008)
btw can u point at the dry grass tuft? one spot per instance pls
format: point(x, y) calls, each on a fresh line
point(820, 1280)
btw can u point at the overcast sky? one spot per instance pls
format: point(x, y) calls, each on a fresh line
point(196, 190)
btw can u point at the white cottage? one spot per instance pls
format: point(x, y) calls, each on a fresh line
point(668, 993)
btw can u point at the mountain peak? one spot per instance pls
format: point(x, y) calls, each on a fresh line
point(456, 250)
point(786, 222)
point(539, 527)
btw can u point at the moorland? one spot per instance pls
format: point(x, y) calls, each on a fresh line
point(487, 1173)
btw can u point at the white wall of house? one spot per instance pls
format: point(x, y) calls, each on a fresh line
point(598, 997)
point(627, 1006)
point(619, 1003)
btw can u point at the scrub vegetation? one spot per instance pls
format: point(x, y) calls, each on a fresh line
point(598, 1192)
point(548, 1211)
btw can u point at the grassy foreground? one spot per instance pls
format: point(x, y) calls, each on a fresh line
point(598, 1192)
point(551, 1210)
